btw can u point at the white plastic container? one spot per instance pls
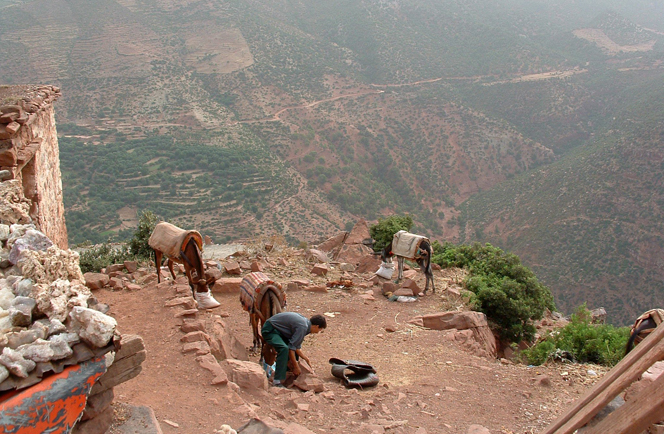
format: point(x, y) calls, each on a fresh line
point(385, 271)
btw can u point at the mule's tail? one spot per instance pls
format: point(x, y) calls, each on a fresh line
point(275, 306)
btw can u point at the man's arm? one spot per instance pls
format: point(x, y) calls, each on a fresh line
point(302, 356)
point(293, 362)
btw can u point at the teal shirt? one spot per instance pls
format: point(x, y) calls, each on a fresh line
point(292, 326)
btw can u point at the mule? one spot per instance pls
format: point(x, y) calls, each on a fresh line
point(183, 247)
point(418, 249)
point(269, 305)
point(262, 298)
point(643, 326)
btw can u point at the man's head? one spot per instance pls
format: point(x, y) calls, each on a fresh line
point(318, 323)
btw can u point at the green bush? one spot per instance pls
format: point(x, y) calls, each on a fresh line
point(505, 290)
point(581, 340)
point(383, 231)
point(96, 258)
point(103, 255)
point(138, 245)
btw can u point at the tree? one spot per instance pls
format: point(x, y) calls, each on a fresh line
point(504, 289)
point(383, 231)
point(138, 245)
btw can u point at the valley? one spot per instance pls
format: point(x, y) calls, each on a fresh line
point(532, 126)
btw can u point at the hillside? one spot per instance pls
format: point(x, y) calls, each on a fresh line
point(245, 118)
point(585, 222)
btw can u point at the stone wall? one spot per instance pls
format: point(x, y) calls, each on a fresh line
point(29, 152)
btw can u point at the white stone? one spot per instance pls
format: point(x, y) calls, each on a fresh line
point(45, 351)
point(58, 298)
point(16, 363)
point(69, 338)
point(4, 232)
point(6, 294)
point(4, 373)
point(50, 265)
point(94, 327)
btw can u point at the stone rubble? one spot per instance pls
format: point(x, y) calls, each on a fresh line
point(44, 312)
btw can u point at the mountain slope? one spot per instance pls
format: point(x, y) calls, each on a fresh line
point(590, 224)
point(249, 117)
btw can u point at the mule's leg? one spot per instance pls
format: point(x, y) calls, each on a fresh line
point(400, 261)
point(170, 267)
point(253, 319)
point(429, 276)
point(157, 260)
point(425, 265)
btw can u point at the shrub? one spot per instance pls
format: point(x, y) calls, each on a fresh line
point(138, 245)
point(383, 231)
point(505, 290)
point(103, 255)
point(581, 340)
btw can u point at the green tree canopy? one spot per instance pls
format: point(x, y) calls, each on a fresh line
point(383, 231)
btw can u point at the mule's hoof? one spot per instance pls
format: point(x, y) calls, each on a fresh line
point(205, 300)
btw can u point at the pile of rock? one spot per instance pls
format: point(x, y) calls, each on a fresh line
point(48, 318)
point(120, 276)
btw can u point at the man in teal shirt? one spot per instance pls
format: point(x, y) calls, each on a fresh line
point(285, 332)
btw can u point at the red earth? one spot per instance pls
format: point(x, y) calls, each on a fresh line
point(428, 384)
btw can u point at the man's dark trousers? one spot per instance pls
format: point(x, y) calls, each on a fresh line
point(272, 337)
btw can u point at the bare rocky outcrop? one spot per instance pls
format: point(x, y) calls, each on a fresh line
point(470, 329)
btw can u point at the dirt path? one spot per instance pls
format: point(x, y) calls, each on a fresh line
point(427, 382)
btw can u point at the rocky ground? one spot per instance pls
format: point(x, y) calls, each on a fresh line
point(428, 384)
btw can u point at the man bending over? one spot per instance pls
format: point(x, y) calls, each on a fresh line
point(285, 332)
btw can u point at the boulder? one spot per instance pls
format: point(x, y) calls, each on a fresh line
point(333, 244)
point(227, 285)
point(368, 264)
point(353, 253)
point(470, 329)
point(94, 327)
point(116, 283)
point(209, 363)
point(247, 375)
point(319, 270)
point(233, 268)
point(213, 273)
point(412, 286)
point(313, 256)
point(359, 233)
point(114, 267)
point(223, 343)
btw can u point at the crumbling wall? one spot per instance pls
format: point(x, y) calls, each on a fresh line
point(29, 153)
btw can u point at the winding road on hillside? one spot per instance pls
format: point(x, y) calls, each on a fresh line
point(521, 78)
